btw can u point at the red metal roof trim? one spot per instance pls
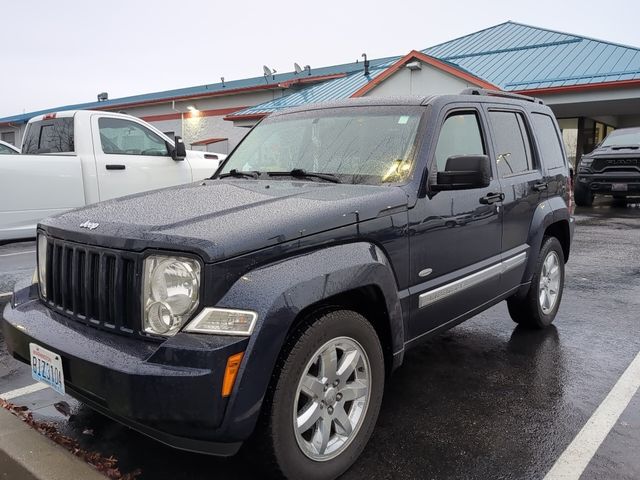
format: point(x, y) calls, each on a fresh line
point(202, 113)
point(415, 55)
point(208, 141)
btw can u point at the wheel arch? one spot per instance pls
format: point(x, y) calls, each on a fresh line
point(356, 276)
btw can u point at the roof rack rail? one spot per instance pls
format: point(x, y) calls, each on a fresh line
point(497, 93)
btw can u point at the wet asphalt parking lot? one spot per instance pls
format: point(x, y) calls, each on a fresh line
point(485, 400)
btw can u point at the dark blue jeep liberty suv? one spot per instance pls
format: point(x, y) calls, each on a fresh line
point(268, 304)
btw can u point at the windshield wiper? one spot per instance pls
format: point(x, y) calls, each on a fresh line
point(625, 147)
point(240, 174)
point(302, 173)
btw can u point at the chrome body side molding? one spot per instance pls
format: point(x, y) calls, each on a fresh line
point(432, 296)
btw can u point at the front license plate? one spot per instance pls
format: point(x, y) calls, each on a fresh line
point(46, 367)
point(619, 187)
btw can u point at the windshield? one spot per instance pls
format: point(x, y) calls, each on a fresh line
point(358, 145)
point(622, 137)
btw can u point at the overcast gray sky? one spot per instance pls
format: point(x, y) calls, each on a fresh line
point(66, 51)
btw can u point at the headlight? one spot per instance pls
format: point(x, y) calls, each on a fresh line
point(171, 293)
point(222, 321)
point(42, 264)
point(585, 165)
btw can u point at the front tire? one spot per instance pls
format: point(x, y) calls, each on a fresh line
point(539, 307)
point(583, 196)
point(324, 399)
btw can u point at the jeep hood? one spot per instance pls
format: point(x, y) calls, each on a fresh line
point(223, 218)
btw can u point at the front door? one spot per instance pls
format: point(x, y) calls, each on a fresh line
point(131, 158)
point(455, 237)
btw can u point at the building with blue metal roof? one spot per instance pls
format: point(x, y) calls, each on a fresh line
point(592, 85)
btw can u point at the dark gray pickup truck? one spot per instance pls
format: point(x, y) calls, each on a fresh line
point(612, 169)
point(268, 305)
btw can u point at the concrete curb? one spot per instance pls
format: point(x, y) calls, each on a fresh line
point(27, 455)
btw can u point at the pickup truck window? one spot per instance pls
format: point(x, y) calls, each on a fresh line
point(6, 150)
point(460, 135)
point(513, 148)
point(548, 140)
point(124, 137)
point(361, 145)
point(49, 136)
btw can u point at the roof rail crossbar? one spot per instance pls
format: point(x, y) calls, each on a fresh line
point(497, 93)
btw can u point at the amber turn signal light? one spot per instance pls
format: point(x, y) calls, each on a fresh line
point(230, 373)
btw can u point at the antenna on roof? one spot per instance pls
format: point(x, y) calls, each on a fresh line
point(308, 69)
point(103, 97)
point(222, 80)
point(366, 64)
point(297, 68)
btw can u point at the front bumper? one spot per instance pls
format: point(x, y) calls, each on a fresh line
point(603, 182)
point(170, 391)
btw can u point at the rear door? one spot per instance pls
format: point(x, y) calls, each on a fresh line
point(523, 184)
point(132, 158)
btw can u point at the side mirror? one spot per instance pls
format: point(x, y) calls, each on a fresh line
point(179, 151)
point(464, 172)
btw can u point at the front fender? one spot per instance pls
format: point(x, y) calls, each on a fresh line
point(278, 293)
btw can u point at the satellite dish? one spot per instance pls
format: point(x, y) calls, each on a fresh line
point(297, 68)
point(267, 71)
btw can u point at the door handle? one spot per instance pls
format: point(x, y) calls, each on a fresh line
point(541, 187)
point(115, 167)
point(490, 198)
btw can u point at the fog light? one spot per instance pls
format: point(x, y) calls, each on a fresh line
point(222, 321)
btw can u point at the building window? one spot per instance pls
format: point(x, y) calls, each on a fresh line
point(9, 137)
point(569, 129)
point(170, 134)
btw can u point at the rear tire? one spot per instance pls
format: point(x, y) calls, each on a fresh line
point(583, 196)
point(539, 307)
point(309, 427)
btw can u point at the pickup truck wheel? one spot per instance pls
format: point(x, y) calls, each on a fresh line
point(324, 399)
point(538, 309)
point(583, 196)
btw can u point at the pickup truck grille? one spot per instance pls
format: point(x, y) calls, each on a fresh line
point(616, 165)
point(97, 286)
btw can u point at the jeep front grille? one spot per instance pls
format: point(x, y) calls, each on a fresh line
point(97, 286)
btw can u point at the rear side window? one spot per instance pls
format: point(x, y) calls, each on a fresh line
point(513, 148)
point(124, 137)
point(548, 140)
point(49, 136)
point(459, 135)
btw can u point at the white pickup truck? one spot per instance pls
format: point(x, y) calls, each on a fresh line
point(74, 158)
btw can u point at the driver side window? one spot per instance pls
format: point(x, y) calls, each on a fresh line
point(460, 135)
point(124, 137)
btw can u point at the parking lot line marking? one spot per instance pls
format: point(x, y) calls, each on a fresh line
point(36, 387)
point(17, 253)
point(575, 459)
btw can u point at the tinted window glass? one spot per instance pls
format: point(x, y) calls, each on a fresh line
point(513, 149)
point(49, 136)
point(548, 140)
point(124, 137)
point(460, 135)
